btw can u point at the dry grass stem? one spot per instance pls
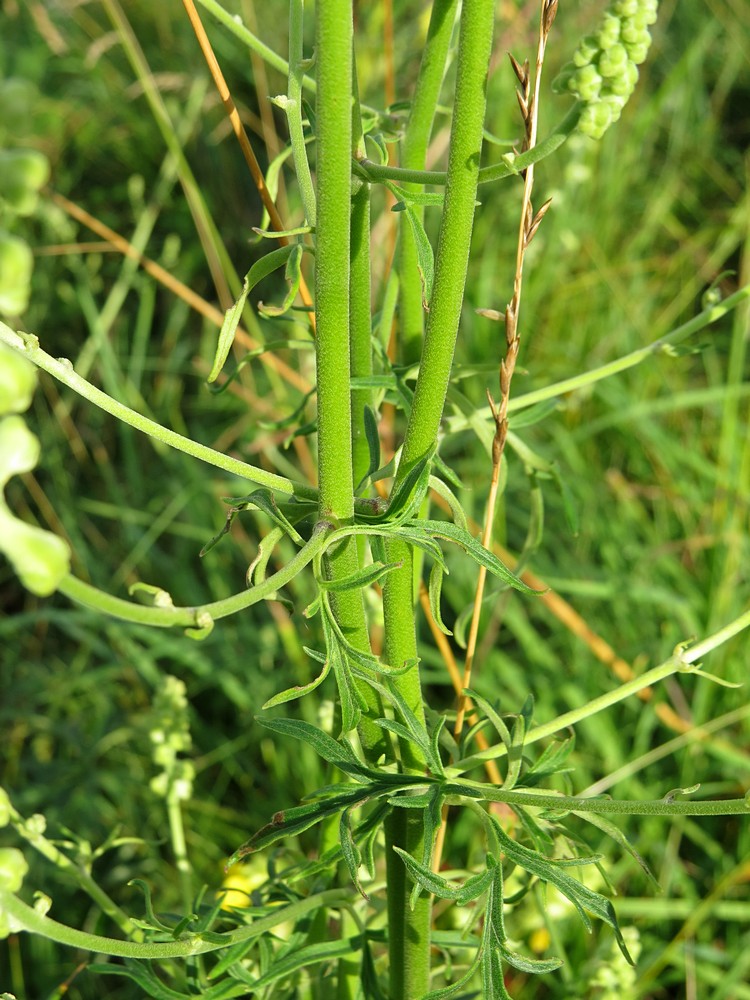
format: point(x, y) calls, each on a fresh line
point(528, 101)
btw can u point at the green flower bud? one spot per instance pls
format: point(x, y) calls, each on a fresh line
point(607, 63)
point(42, 903)
point(615, 105)
point(13, 868)
point(609, 32)
point(16, 265)
point(625, 8)
point(586, 51)
point(17, 381)
point(588, 83)
point(613, 61)
point(22, 173)
point(634, 33)
point(595, 120)
point(621, 86)
point(638, 53)
point(19, 448)
point(40, 558)
point(5, 808)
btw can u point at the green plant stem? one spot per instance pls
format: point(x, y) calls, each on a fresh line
point(62, 370)
point(334, 127)
point(452, 256)
point(408, 930)
point(243, 33)
point(360, 304)
point(409, 941)
point(614, 807)
point(334, 40)
point(510, 164)
point(26, 918)
point(36, 839)
point(681, 661)
point(202, 615)
point(293, 110)
point(179, 848)
point(413, 157)
point(662, 345)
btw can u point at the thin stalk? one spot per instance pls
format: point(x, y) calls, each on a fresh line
point(239, 130)
point(510, 163)
point(179, 847)
point(62, 370)
point(413, 157)
point(452, 256)
point(293, 109)
point(198, 616)
point(615, 807)
point(663, 345)
point(681, 661)
point(334, 40)
point(529, 104)
point(26, 918)
point(360, 304)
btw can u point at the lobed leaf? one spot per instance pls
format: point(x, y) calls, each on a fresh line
point(584, 899)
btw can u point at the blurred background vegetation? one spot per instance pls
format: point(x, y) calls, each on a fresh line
point(656, 461)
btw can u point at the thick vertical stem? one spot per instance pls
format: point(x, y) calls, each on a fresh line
point(451, 260)
point(334, 122)
point(409, 938)
point(413, 155)
point(332, 274)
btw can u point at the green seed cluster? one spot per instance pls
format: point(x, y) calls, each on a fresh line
point(604, 70)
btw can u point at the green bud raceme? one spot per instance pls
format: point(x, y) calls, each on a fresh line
point(604, 70)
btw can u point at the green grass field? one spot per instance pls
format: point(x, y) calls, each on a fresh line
point(640, 524)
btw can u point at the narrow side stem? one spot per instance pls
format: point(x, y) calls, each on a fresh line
point(201, 615)
point(62, 370)
point(293, 109)
point(360, 298)
point(662, 345)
